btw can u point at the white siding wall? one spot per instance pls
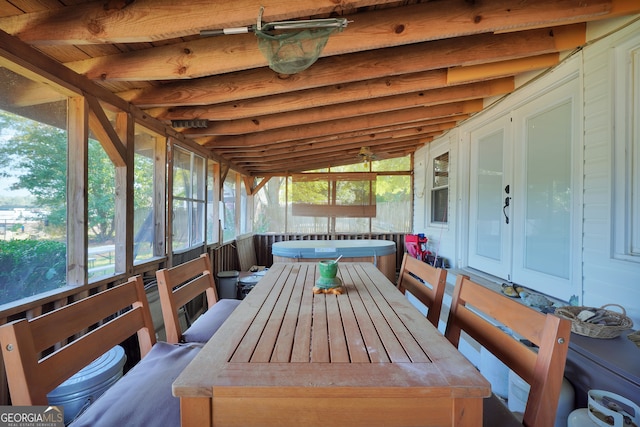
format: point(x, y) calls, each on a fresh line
point(605, 279)
point(441, 237)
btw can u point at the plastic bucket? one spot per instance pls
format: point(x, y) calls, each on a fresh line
point(83, 388)
point(246, 284)
point(228, 284)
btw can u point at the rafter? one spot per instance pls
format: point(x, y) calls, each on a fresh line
point(363, 137)
point(345, 125)
point(153, 20)
point(374, 30)
point(362, 107)
point(356, 91)
point(384, 64)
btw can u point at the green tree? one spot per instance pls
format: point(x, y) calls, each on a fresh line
point(36, 154)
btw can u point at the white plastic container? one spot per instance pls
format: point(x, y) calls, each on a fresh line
point(519, 393)
point(83, 388)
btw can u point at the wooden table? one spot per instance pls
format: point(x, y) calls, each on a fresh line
point(364, 358)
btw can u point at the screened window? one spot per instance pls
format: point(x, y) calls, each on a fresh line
point(188, 199)
point(350, 195)
point(229, 207)
point(146, 147)
point(102, 214)
point(440, 189)
point(278, 204)
point(213, 196)
point(33, 192)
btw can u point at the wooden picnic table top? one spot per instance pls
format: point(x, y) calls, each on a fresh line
point(289, 351)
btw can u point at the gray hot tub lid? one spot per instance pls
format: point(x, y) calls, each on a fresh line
point(333, 248)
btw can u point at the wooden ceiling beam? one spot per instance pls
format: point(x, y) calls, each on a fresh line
point(310, 98)
point(354, 109)
point(364, 136)
point(465, 74)
point(334, 72)
point(373, 30)
point(345, 149)
point(346, 125)
point(153, 20)
point(328, 146)
point(355, 91)
point(338, 159)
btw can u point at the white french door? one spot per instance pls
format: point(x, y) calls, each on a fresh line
point(490, 193)
point(523, 194)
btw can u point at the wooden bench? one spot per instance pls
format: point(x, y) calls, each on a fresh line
point(416, 277)
point(543, 369)
point(141, 397)
point(180, 284)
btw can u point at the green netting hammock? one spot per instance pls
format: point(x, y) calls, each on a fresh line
point(290, 52)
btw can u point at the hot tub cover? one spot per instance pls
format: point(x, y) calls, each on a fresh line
point(313, 249)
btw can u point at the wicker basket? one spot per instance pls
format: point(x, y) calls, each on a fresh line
point(594, 330)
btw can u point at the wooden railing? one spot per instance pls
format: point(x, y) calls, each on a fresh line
point(223, 257)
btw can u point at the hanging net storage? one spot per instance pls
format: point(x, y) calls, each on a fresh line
point(291, 47)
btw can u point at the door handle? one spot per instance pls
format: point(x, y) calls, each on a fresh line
point(504, 209)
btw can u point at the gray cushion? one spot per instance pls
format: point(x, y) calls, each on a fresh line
point(143, 396)
point(206, 325)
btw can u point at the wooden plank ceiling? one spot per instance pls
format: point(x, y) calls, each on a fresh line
point(399, 75)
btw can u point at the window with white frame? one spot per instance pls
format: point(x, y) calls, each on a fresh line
point(188, 199)
point(440, 189)
point(626, 217)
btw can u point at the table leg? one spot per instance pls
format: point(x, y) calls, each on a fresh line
point(467, 412)
point(195, 412)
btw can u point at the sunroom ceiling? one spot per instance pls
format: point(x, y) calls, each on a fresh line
point(399, 75)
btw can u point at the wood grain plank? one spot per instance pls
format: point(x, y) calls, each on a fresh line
point(339, 352)
point(319, 330)
point(375, 349)
point(353, 335)
point(386, 305)
point(265, 299)
point(269, 335)
point(302, 339)
point(373, 303)
point(284, 344)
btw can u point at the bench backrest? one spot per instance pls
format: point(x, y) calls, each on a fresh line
point(180, 284)
point(119, 313)
point(413, 269)
point(542, 370)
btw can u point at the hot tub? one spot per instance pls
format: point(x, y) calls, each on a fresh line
point(382, 253)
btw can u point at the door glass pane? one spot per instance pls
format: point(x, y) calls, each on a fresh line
point(489, 182)
point(548, 192)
